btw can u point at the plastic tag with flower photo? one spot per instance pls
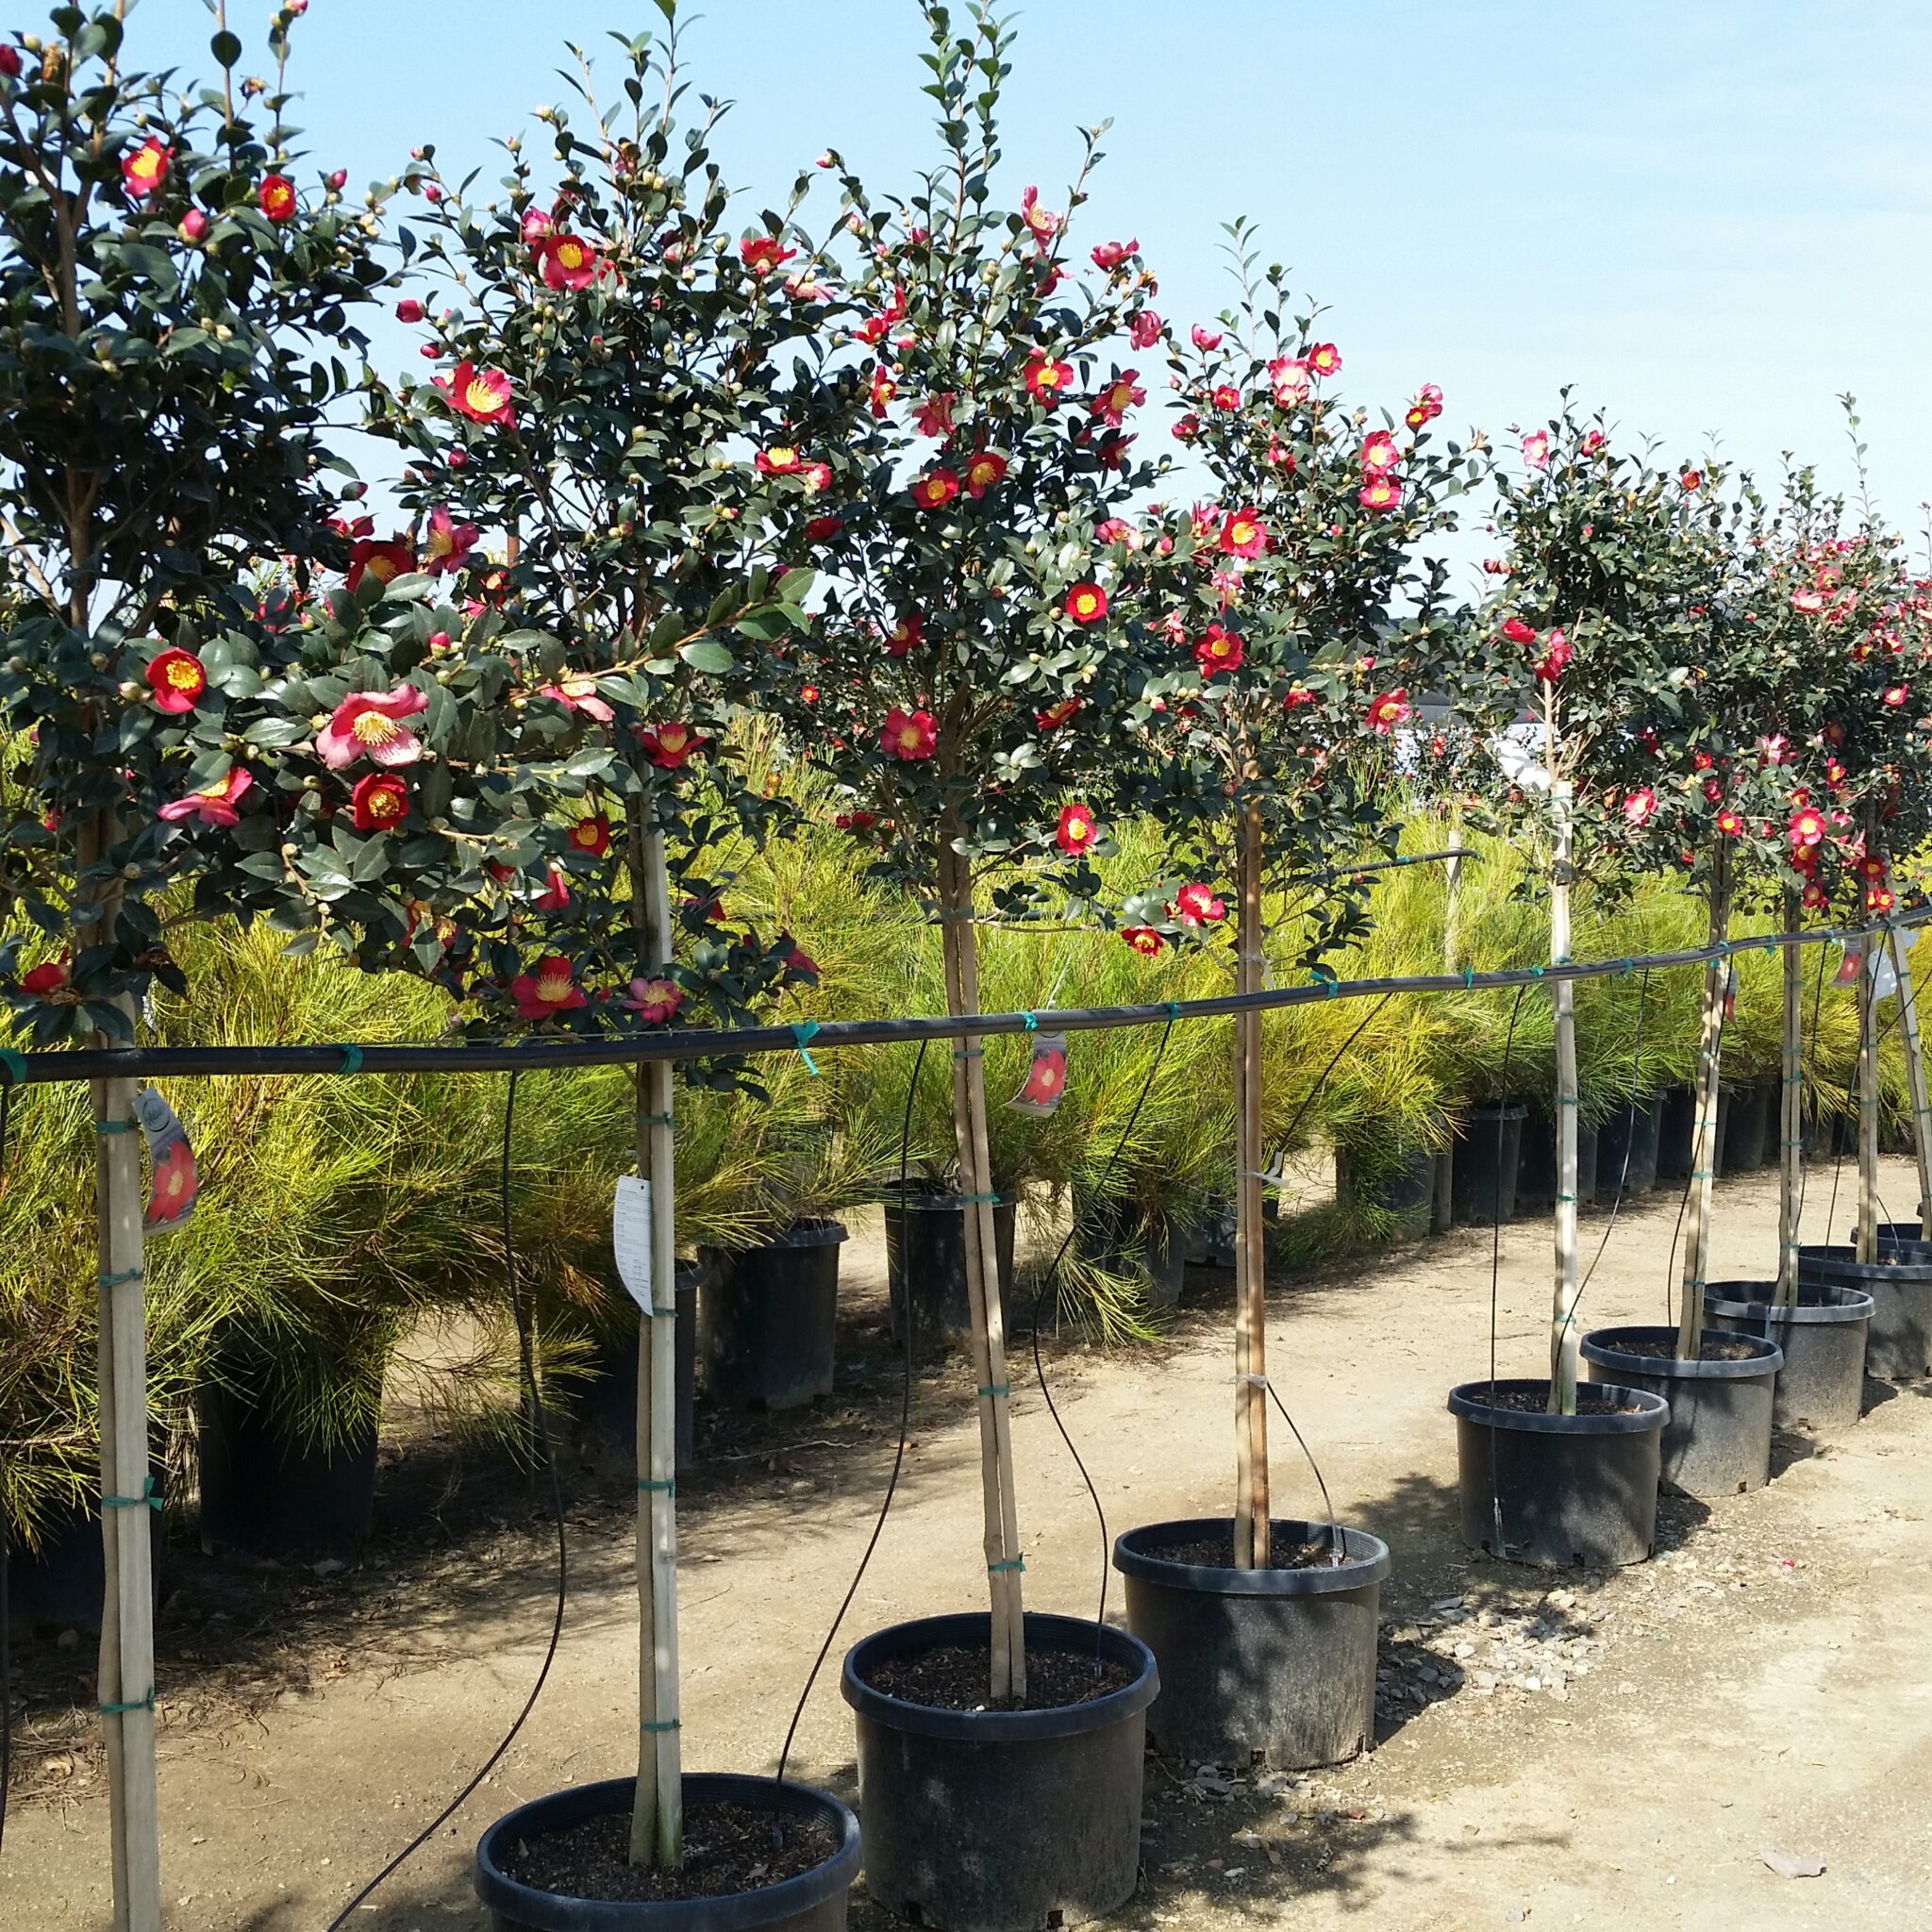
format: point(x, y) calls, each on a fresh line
point(1046, 1077)
point(172, 1182)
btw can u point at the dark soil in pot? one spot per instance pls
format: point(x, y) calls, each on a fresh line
point(562, 1863)
point(1718, 1440)
point(1001, 1820)
point(1554, 1490)
point(1898, 1346)
point(768, 1318)
point(1626, 1151)
point(925, 1242)
point(1822, 1386)
point(1489, 1152)
point(1535, 1170)
point(266, 1492)
point(1279, 1661)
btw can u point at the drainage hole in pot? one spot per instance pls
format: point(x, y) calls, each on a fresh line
point(1216, 1553)
point(955, 1677)
point(727, 1849)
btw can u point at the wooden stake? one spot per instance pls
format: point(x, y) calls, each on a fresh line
point(1868, 1097)
point(1704, 1148)
point(960, 947)
point(1441, 1208)
point(1251, 1511)
point(1565, 1340)
point(1791, 1113)
point(657, 1824)
point(1915, 1075)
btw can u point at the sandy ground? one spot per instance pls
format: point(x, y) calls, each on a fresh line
point(1762, 1686)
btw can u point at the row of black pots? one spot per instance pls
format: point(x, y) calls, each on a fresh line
point(1004, 1820)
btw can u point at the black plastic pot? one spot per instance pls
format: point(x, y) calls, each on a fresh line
point(1001, 1820)
point(1748, 1117)
point(1558, 1490)
point(1907, 1237)
point(1677, 1131)
point(814, 1901)
point(1626, 1151)
point(1276, 1661)
point(1535, 1167)
point(1898, 1347)
point(1489, 1152)
point(1149, 1246)
point(1399, 1181)
point(61, 1583)
point(1822, 1386)
point(925, 1242)
point(607, 1404)
point(768, 1318)
point(1718, 1440)
point(266, 1493)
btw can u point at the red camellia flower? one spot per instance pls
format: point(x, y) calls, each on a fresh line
point(50, 975)
point(670, 746)
point(1206, 340)
point(1145, 330)
point(761, 254)
point(1805, 827)
point(1878, 899)
point(936, 489)
point(1325, 359)
point(1427, 407)
point(277, 197)
point(1218, 650)
point(934, 417)
point(1379, 453)
point(654, 1001)
point(1076, 830)
point(568, 261)
point(556, 893)
point(212, 805)
point(591, 834)
point(369, 725)
point(552, 989)
point(984, 468)
point(1196, 906)
point(1814, 897)
point(1056, 715)
point(1517, 631)
point(818, 528)
point(146, 168)
point(1086, 602)
point(1729, 824)
point(1639, 808)
point(1041, 224)
point(908, 736)
point(446, 544)
point(1047, 379)
point(781, 460)
point(1243, 534)
point(1226, 396)
point(909, 630)
point(1379, 494)
point(379, 802)
point(1690, 481)
point(383, 561)
point(481, 394)
point(1144, 939)
point(1556, 659)
point(1895, 697)
point(1122, 395)
point(1388, 710)
point(410, 309)
point(9, 62)
point(178, 680)
point(192, 227)
point(884, 387)
point(1110, 255)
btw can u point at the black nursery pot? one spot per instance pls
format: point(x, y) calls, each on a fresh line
point(1747, 1126)
point(1626, 1151)
point(266, 1493)
point(1677, 1131)
point(1558, 1490)
point(1276, 1661)
point(813, 1901)
point(609, 1406)
point(1718, 1440)
point(1535, 1167)
point(1898, 1346)
point(925, 1243)
point(1123, 1239)
point(1489, 1152)
point(1822, 1386)
point(61, 1583)
point(1001, 1820)
point(768, 1318)
point(1402, 1183)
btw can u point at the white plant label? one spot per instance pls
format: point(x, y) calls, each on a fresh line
point(1884, 975)
point(630, 1235)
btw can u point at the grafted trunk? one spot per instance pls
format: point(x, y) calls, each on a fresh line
point(1704, 1144)
point(1251, 1261)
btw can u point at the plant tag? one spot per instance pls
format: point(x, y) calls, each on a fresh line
point(1847, 973)
point(1046, 1079)
point(630, 1236)
point(172, 1183)
point(1884, 975)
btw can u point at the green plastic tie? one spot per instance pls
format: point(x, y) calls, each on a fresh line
point(1173, 1010)
point(1009, 1563)
point(146, 1703)
point(969, 1052)
point(662, 1724)
point(14, 1065)
point(998, 1388)
point(1468, 979)
point(114, 1126)
point(993, 1198)
point(655, 1120)
point(149, 1495)
point(1570, 1198)
point(1568, 1099)
point(1535, 972)
point(352, 1059)
point(116, 1280)
point(670, 1488)
point(1032, 1024)
point(802, 1031)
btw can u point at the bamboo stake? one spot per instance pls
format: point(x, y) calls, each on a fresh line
point(1915, 1075)
point(1251, 1512)
point(1565, 1341)
point(1790, 1114)
point(1704, 1148)
point(1004, 1565)
point(1868, 1097)
point(657, 1824)
point(1441, 1211)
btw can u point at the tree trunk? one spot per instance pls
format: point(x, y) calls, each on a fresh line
point(1002, 1526)
point(1791, 1138)
point(1251, 1261)
point(1564, 1338)
point(1868, 1096)
point(1915, 1075)
point(657, 1824)
point(1704, 1148)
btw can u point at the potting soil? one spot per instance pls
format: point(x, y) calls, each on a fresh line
point(1216, 1553)
point(955, 1677)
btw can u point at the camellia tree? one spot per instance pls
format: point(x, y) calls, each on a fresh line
point(636, 403)
point(966, 683)
point(1295, 619)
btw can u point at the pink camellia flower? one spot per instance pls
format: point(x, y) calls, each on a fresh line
point(446, 544)
point(1117, 530)
point(212, 805)
point(192, 227)
point(1195, 906)
point(1593, 440)
point(146, 168)
point(1145, 330)
point(1555, 660)
point(1207, 340)
point(1325, 359)
point(1379, 494)
point(1388, 710)
point(908, 736)
point(1536, 449)
point(934, 417)
point(552, 989)
point(568, 261)
point(655, 1001)
point(336, 180)
point(1041, 224)
point(1808, 602)
point(481, 394)
point(1806, 828)
point(761, 254)
point(1427, 407)
point(1775, 749)
point(1110, 255)
point(1144, 939)
point(1076, 830)
point(1244, 534)
point(369, 725)
point(1517, 631)
point(1895, 697)
point(536, 225)
point(1639, 806)
point(556, 893)
point(1379, 453)
point(1122, 395)
point(1291, 382)
point(578, 692)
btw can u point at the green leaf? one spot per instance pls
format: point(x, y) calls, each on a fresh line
point(708, 654)
point(225, 47)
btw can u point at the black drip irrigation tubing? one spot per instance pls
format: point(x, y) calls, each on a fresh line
point(712, 1042)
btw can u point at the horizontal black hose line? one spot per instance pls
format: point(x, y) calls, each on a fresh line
point(712, 1042)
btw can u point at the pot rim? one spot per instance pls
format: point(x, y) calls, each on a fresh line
point(738, 1911)
point(1044, 1631)
point(1910, 1253)
point(1366, 1560)
point(1599, 1346)
point(1852, 1304)
point(1649, 1411)
point(919, 1198)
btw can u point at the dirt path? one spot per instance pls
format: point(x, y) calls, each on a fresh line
point(1762, 1686)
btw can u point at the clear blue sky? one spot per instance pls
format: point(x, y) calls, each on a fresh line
point(1711, 215)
